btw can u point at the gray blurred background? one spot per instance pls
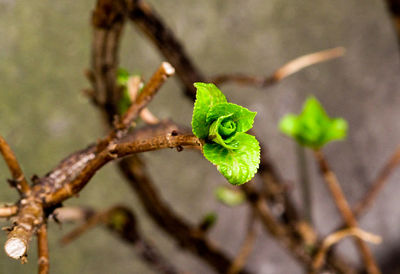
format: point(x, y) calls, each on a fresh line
point(44, 48)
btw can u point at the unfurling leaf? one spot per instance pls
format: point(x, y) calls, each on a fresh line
point(313, 127)
point(223, 125)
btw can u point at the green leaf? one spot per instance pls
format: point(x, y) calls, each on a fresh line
point(237, 165)
point(243, 117)
point(229, 196)
point(207, 96)
point(313, 127)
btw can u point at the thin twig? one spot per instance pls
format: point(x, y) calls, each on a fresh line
point(283, 72)
point(378, 184)
point(147, 94)
point(134, 83)
point(345, 210)
point(72, 214)
point(92, 221)
point(8, 211)
point(336, 237)
point(246, 247)
point(43, 250)
point(18, 176)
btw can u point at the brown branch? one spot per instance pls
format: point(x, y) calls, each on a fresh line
point(336, 237)
point(113, 152)
point(285, 235)
point(378, 184)
point(147, 94)
point(246, 247)
point(150, 23)
point(72, 214)
point(188, 236)
point(122, 222)
point(45, 195)
point(29, 218)
point(164, 39)
point(19, 180)
point(283, 72)
point(8, 211)
point(344, 209)
point(43, 250)
point(133, 169)
point(89, 223)
point(108, 20)
point(134, 85)
point(171, 48)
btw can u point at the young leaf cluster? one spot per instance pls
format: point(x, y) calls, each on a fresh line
point(313, 127)
point(223, 126)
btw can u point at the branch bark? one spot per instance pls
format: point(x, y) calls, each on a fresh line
point(8, 211)
point(112, 152)
point(29, 218)
point(18, 180)
point(150, 23)
point(43, 250)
